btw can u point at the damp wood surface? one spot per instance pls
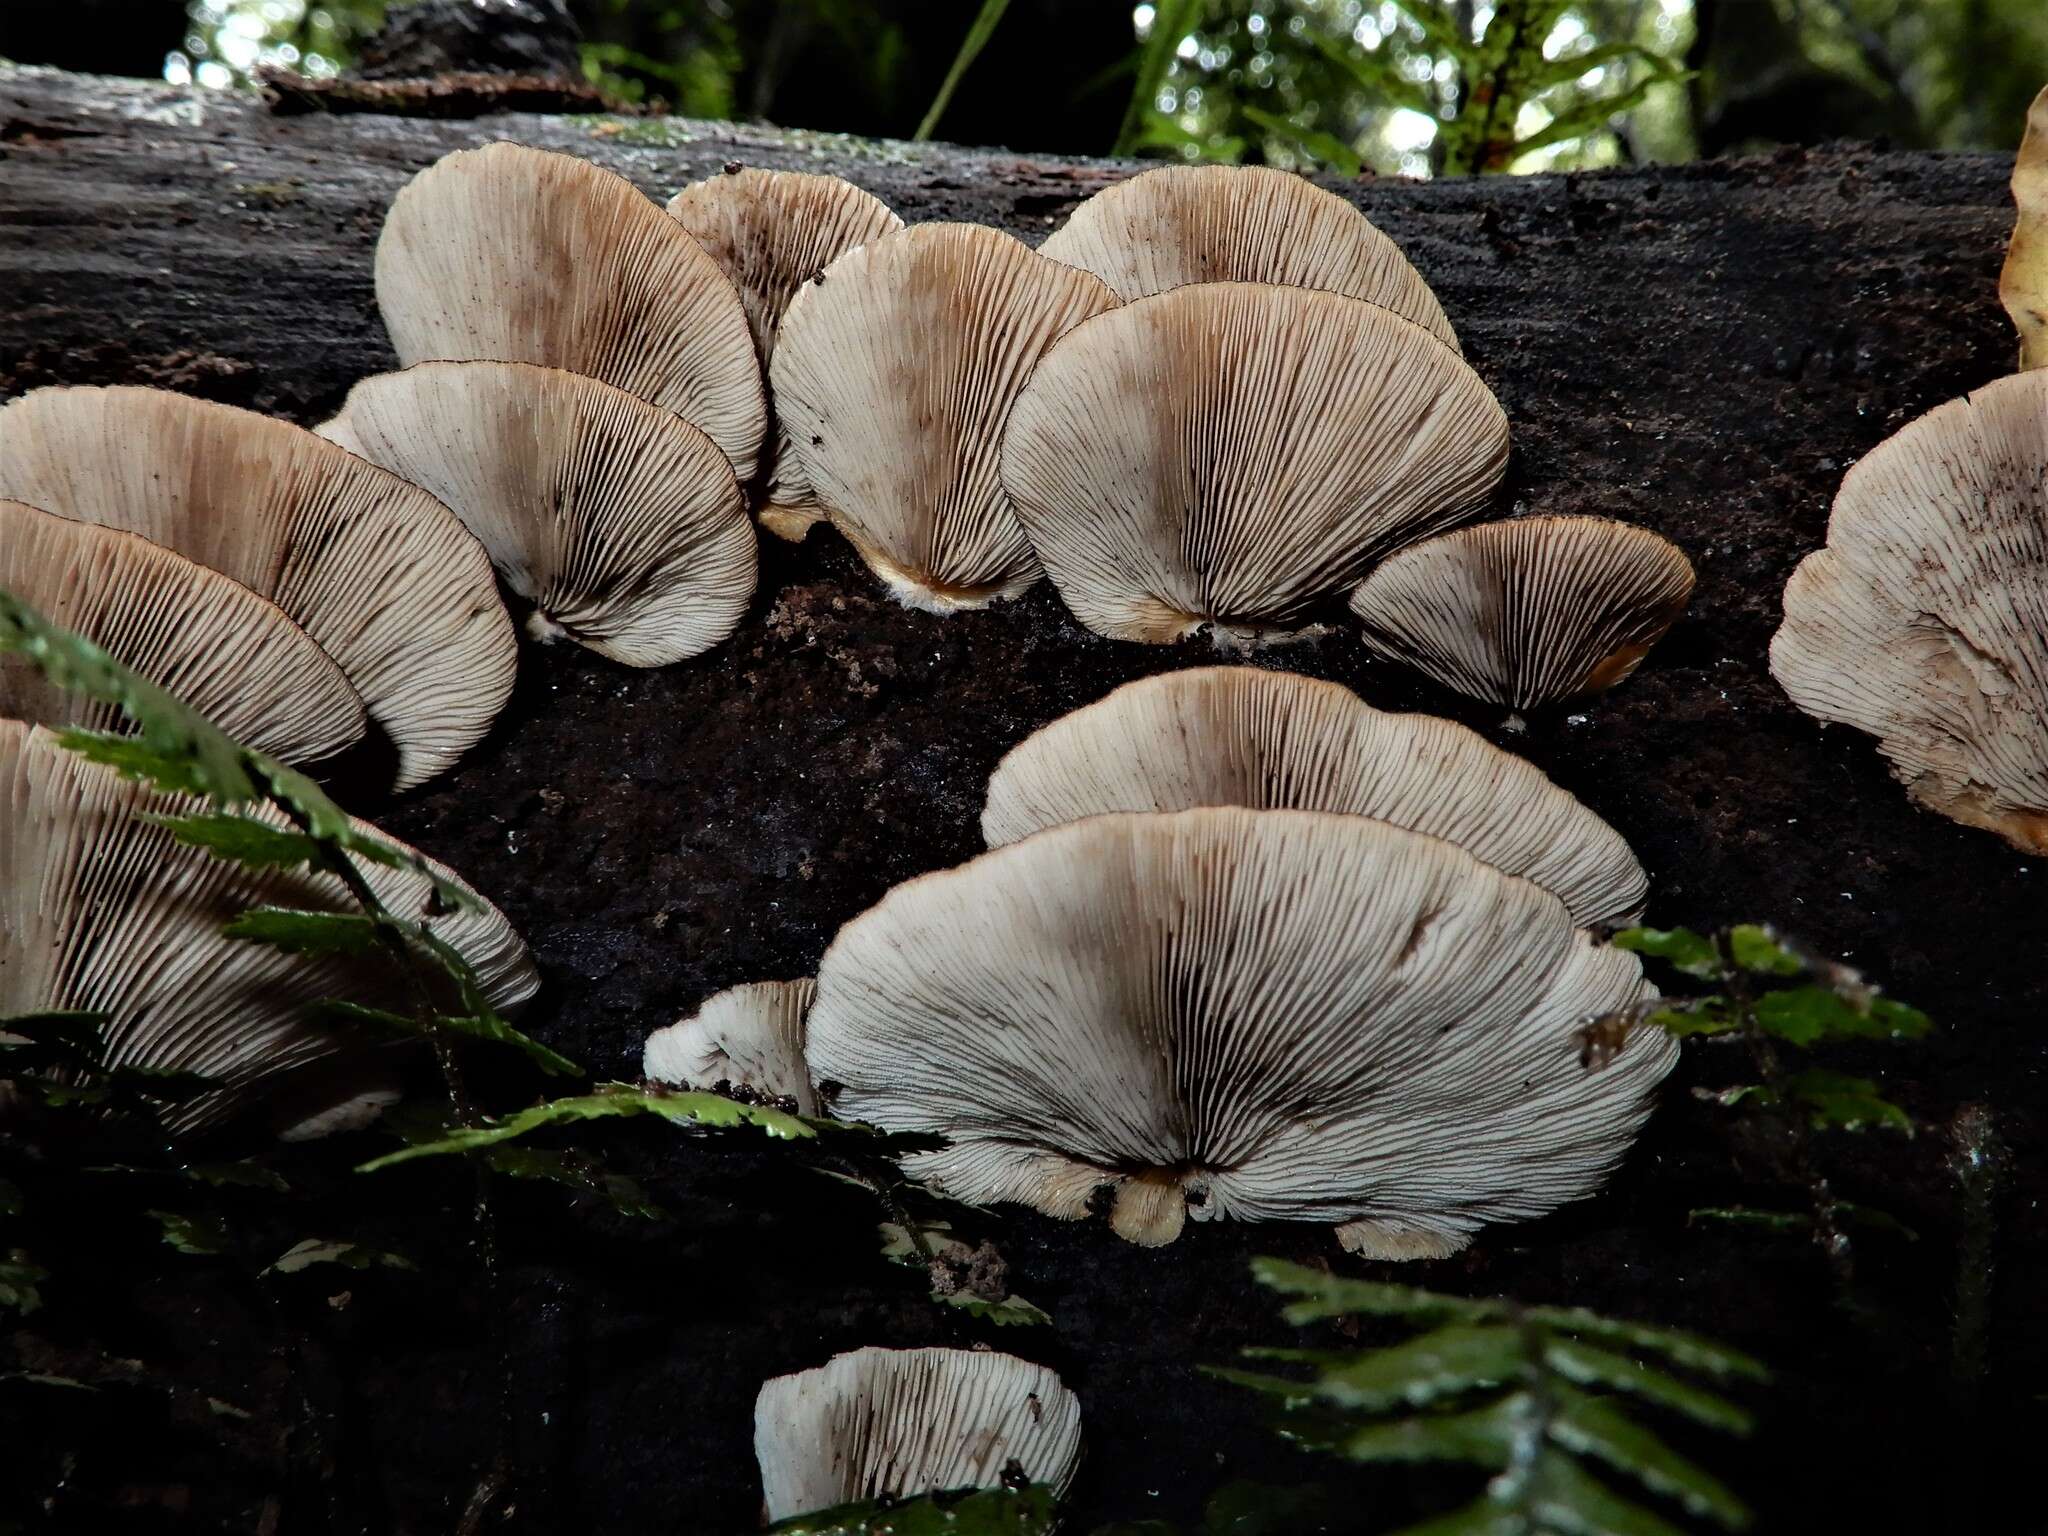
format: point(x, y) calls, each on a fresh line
point(1700, 349)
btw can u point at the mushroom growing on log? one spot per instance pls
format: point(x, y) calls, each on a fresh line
point(747, 1039)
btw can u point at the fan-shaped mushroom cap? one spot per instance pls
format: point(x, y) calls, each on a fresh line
point(382, 576)
point(517, 255)
point(770, 231)
point(1227, 453)
point(1272, 740)
point(1259, 1015)
point(2023, 284)
point(1529, 611)
point(902, 1422)
point(1925, 619)
point(1185, 224)
point(623, 524)
point(233, 656)
point(749, 1037)
point(895, 372)
point(102, 910)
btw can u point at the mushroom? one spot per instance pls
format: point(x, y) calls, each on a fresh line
point(748, 1038)
point(770, 231)
point(517, 255)
point(2023, 283)
point(1185, 224)
point(623, 525)
point(381, 575)
point(1226, 454)
point(898, 1423)
point(1272, 740)
point(233, 656)
point(1925, 619)
point(895, 371)
point(102, 909)
point(1252, 1015)
point(1528, 611)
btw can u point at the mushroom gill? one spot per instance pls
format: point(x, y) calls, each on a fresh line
point(381, 575)
point(1529, 611)
point(1225, 455)
point(623, 525)
point(1924, 620)
point(748, 1039)
point(895, 371)
point(1247, 1015)
point(1275, 741)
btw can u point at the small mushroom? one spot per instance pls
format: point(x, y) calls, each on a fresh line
point(102, 909)
point(748, 1038)
point(1185, 224)
point(896, 375)
point(1925, 619)
point(623, 525)
point(235, 657)
point(898, 1423)
point(2023, 284)
point(1241, 1015)
point(1227, 454)
point(381, 575)
point(1529, 611)
point(771, 231)
point(517, 255)
point(1272, 740)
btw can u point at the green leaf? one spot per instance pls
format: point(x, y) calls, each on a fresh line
point(133, 757)
point(1377, 75)
point(1484, 1437)
point(1324, 148)
point(1438, 1365)
point(20, 1282)
point(317, 1250)
point(706, 1109)
point(1327, 1295)
point(1689, 1350)
point(166, 1085)
point(1740, 1093)
point(1566, 1501)
point(986, 20)
point(575, 1170)
point(203, 1233)
point(1679, 948)
point(1589, 1365)
point(1010, 1312)
point(1172, 20)
point(1710, 1015)
point(78, 1028)
point(1439, 30)
point(305, 933)
point(1876, 1220)
point(1598, 1428)
point(489, 1027)
point(973, 1512)
point(1552, 73)
point(1743, 1216)
point(242, 839)
point(244, 1175)
point(1759, 951)
point(1804, 1016)
point(1833, 1101)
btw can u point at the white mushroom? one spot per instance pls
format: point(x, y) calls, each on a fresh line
point(517, 255)
point(2023, 282)
point(1252, 1015)
point(622, 524)
point(770, 231)
point(235, 657)
point(1272, 740)
point(895, 372)
point(897, 1423)
point(749, 1038)
point(1228, 454)
point(103, 910)
point(382, 576)
point(1185, 224)
point(1526, 612)
point(1925, 619)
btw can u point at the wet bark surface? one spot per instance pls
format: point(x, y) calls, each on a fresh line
point(1701, 349)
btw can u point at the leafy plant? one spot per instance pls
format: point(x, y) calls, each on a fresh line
point(1545, 1400)
point(986, 20)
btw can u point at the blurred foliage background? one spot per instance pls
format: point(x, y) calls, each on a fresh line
point(1415, 87)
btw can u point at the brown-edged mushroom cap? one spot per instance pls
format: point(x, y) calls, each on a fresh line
point(2023, 283)
point(381, 575)
point(1275, 741)
point(105, 911)
point(620, 522)
point(895, 371)
point(235, 657)
point(1925, 619)
point(1251, 1015)
point(1529, 611)
point(516, 255)
point(771, 231)
point(897, 1423)
point(1185, 224)
point(1226, 454)
point(748, 1039)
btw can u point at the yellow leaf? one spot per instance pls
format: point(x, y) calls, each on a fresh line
point(2023, 285)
